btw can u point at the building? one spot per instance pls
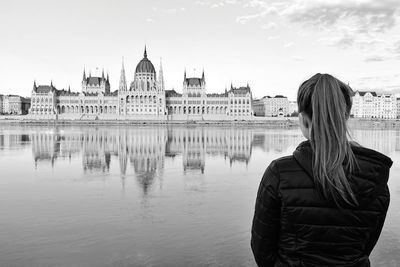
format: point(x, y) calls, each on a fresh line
point(43, 100)
point(25, 105)
point(277, 106)
point(196, 104)
point(398, 108)
point(145, 95)
point(1, 104)
point(293, 108)
point(145, 99)
point(367, 104)
point(11, 104)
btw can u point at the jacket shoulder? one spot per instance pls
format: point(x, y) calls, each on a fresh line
point(285, 164)
point(291, 174)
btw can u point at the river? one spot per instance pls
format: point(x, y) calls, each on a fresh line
point(148, 195)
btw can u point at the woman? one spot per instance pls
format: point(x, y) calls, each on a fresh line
point(325, 205)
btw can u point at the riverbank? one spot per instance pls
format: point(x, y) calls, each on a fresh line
point(266, 122)
point(285, 122)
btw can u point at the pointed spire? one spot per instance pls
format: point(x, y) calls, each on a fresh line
point(102, 74)
point(122, 80)
point(161, 77)
point(108, 77)
point(69, 88)
point(34, 85)
point(51, 83)
point(231, 86)
point(184, 75)
point(145, 51)
point(202, 76)
point(84, 74)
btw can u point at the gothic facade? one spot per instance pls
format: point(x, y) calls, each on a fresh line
point(144, 99)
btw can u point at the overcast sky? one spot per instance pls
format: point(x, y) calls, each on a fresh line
point(272, 45)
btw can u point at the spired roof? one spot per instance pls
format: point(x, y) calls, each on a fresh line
point(93, 80)
point(193, 81)
point(241, 90)
point(145, 65)
point(42, 89)
point(172, 93)
point(96, 81)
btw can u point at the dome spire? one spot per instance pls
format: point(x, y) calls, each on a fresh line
point(145, 51)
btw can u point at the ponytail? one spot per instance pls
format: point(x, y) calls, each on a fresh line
point(327, 102)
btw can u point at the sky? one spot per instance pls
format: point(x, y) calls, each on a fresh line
point(271, 45)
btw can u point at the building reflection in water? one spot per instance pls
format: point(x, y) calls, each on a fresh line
point(142, 150)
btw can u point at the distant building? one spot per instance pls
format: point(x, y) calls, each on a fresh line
point(368, 104)
point(259, 106)
point(11, 104)
point(293, 108)
point(398, 108)
point(43, 100)
point(145, 98)
point(15, 104)
point(25, 105)
point(1, 104)
point(277, 106)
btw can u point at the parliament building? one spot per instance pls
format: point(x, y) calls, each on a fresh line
point(144, 99)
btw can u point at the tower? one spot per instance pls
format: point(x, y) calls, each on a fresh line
point(161, 78)
point(122, 79)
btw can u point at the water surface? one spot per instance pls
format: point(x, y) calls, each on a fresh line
point(148, 196)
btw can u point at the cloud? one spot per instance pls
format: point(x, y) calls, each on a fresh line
point(216, 4)
point(269, 26)
point(274, 37)
point(366, 25)
point(174, 10)
point(340, 23)
point(344, 41)
point(375, 58)
point(298, 58)
point(288, 45)
point(391, 82)
point(366, 16)
point(150, 20)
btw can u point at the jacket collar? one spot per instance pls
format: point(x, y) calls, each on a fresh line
point(304, 156)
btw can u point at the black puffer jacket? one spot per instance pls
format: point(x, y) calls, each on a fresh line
point(294, 226)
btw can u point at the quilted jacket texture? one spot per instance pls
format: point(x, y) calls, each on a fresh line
point(294, 226)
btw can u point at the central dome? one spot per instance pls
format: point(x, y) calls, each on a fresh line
point(145, 65)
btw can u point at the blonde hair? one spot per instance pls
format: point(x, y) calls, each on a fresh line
point(327, 102)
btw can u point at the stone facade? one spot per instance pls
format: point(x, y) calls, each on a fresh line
point(373, 105)
point(1, 104)
point(145, 96)
point(145, 99)
point(195, 104)
point(277, 106)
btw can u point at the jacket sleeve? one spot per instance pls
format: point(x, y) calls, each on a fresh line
point(385, 199)
point(266, 221)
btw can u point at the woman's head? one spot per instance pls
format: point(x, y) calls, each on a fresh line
point(324, 104)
